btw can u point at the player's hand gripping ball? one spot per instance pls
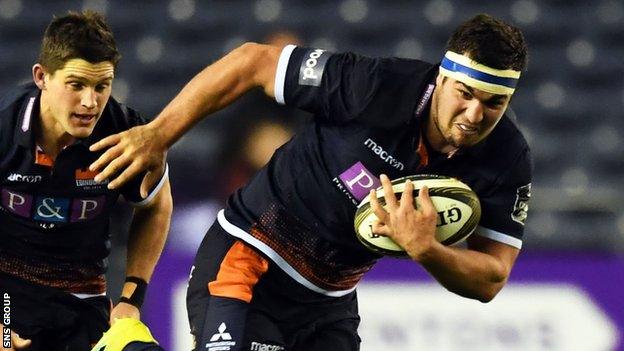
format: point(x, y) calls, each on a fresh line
point(458, 207)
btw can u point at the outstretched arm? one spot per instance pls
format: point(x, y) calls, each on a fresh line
point(218, 85)
point(148, 234)
point(478, 272)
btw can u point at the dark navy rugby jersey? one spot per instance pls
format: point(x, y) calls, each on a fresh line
point(54, 218)
point(299, 209)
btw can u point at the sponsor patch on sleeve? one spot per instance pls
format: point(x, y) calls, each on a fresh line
point(312, 68)
point(521, 207)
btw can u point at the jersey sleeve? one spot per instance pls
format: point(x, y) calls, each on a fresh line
point(131, 191)
point(334, 86)
point(504, 210)
point(340, 87)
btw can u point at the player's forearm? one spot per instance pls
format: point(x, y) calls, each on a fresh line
point(218, 85)
point(468, 273)
point(148, 234)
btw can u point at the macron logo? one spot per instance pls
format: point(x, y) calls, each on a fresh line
point(221, 334)
point(14, 177)
point(256, 346)
point(379, 151)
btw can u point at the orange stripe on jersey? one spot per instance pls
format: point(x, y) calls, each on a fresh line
point(42, 159)
point(422, 152)
point(86, 174)
point(240, 270)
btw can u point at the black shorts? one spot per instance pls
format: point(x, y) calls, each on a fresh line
point(241, 300)
point(53, 319)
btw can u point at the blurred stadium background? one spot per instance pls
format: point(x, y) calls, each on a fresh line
point(566, 291)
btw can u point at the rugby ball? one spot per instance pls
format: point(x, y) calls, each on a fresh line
point(457, 205)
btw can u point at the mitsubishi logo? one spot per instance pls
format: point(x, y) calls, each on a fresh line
point(221, 334)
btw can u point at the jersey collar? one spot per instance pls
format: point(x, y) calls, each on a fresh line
point(28, 115)
point(23, 134)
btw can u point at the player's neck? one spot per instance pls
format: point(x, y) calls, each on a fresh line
point(432, 132)
point(50, 134)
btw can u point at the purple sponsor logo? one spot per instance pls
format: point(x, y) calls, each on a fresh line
point(359, 181)
point(50, 209)
point(86, 209)
point(17, 203)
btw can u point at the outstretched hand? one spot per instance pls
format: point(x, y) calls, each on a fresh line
point(411, 228)
point(129, 153)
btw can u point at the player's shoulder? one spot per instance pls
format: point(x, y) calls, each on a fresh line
point(405, 77)
point(406, 67)
point(401, 85)
point(507, 149)
point(393, 70)
point(13, 100)
point(507, 134)
point(12, 103)
point(402, 78)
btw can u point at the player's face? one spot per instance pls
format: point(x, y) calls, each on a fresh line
point(74, 97)
point(461, 116)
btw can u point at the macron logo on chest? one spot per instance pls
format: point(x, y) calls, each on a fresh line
point(384, 155)
point(16, 177)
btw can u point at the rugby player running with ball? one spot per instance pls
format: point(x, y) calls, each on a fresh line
point(279, 267)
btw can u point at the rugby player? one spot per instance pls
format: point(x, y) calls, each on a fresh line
point(54, 217)
point(279, 268)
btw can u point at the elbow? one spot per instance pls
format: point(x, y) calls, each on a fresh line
point(495, 283)
point(483, 295)
point(484, 291)
point(244, 58)
point(489, 291)
point(487, 296)
point(247, 48)
point(258, 64)
point(250, 53)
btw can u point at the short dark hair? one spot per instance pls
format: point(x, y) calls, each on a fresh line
point(491, 42)
point(83, 35)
